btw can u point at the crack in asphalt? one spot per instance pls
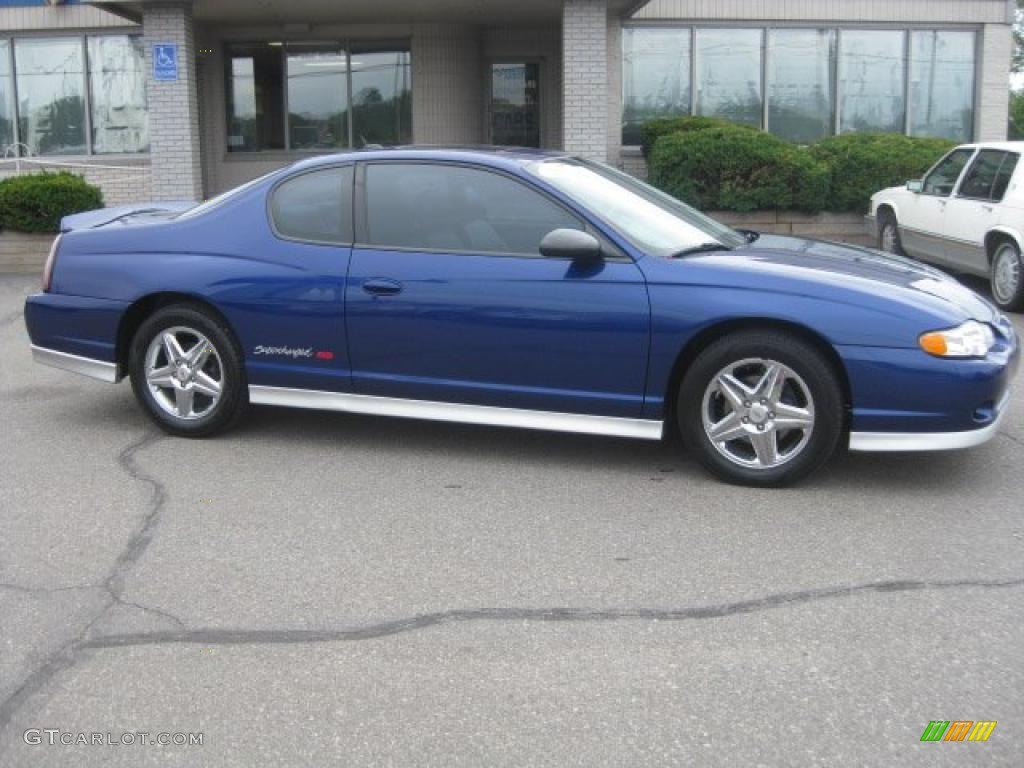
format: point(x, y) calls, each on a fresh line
point(427, 620)
point(66, 656)
point(1010, 436)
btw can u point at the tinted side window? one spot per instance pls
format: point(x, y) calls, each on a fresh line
point(315, 206)
point(446, 207)
point(1002, 181)
point(942, 180)
point(979, 179)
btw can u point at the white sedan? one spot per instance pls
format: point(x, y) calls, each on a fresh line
point(966, 214)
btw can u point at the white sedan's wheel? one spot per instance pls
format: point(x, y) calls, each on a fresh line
point(1007, 277)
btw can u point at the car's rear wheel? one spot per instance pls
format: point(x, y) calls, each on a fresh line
point(187, 371)
point(1008, 277)
point(889, 234)
point(761, 408)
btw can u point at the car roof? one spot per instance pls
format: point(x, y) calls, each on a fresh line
point(487, 155)
point(1005, 146)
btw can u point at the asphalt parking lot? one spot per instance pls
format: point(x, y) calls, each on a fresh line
point(320, 589)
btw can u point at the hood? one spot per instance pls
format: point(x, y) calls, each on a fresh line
point(869, 271)
point(125, 214)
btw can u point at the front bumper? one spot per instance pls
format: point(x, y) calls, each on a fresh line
point(929, 441)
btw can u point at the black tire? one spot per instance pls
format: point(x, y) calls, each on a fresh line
point(819, 379)
point(225, 360)
point(886, 219)
point(1007, 290)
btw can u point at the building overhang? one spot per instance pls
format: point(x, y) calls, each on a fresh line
point(247, 12)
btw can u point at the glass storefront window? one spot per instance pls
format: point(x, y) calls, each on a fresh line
point(729, 74)
point(381, 97)
point(317, 96)
point(942, 84)
point(117, 83)
point(6, 98)
point(255, 97)
point(800, 104)
point(872, 65)
point(51, 95)
point(655, 76)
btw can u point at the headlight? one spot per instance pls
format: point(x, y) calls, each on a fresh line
point(972, 339)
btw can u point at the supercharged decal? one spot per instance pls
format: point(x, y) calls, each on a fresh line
point(293, 352)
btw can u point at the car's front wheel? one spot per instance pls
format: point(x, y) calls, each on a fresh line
point(187, 371)
point(761, 408)
point(1008, 277)
point(889, 234)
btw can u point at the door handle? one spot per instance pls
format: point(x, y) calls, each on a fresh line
point(382, 286)
point(987, 208)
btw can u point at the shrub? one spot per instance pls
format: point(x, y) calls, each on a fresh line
point(653, 130)
point(862, 163)
point(736, 168)
point(36, 202)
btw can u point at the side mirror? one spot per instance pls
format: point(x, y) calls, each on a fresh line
point(915, 185)
point(570, 244)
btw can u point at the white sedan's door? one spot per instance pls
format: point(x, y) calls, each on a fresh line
point(975, 210)
point(921, 215)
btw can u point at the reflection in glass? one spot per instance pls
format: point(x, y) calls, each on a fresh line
point(117, 83)
point(515, 104)
point(6, 97)
point(942, 84)
point(51, 95)
point(729, 74)
point(655, 77)
point(871, 81)
point(381, 97)
point(255, 97)
point(317, 96)
point(800, 83)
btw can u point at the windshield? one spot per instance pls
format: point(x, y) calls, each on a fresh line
point(651, 220)
point(213, 202)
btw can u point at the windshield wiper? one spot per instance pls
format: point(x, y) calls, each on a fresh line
point(702, 248)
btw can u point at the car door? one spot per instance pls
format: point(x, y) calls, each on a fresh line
point(922, 213)
point(448, 298)
point(974, 210)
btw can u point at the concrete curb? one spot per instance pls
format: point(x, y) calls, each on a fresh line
point(23, 254)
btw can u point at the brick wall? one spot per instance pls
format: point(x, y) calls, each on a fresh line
point(585, 78)
point(173, 106)
point(122, 181)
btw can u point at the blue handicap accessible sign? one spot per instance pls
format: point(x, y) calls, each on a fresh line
point(165, 61)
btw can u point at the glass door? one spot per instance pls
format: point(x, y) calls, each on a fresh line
point(515, 104)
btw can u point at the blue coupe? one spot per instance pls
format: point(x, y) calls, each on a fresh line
point(521, 289)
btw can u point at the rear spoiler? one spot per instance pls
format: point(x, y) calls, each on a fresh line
point(104, 216)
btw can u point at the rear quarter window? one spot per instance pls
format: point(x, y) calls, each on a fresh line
point(315, 206)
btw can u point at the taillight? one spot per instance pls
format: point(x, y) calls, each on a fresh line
point(48, 268)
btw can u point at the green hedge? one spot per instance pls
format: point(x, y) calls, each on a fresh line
point(735, 168)
point(716, 165)
point(860, 164)
point(653, 130)
point(36, 202)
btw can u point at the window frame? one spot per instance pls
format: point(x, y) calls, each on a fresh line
point(346, 44)
point(307, 172)
point(955, 189)
point(13, 36)
point(610, 251)
point(970, 167)
point(837, 28)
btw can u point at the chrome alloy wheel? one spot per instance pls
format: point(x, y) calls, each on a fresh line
point(758, 413)
point(184, 373)
point(1006, 273)
point(889, 237)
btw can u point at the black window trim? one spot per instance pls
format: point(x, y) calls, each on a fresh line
point(989, 199)
point(349, 243)
point(611, 251)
